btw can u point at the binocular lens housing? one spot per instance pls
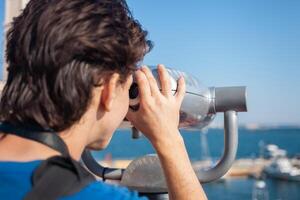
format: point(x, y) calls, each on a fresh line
point(134, 91)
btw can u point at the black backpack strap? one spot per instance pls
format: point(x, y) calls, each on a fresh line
point(57, 176)
point(46, 137)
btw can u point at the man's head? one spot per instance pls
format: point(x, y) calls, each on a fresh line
point(60, 52)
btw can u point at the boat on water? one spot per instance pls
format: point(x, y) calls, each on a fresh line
point(281, 166)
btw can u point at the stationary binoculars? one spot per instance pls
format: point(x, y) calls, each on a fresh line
point(198, 109)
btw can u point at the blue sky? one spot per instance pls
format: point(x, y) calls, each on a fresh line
point(226, 43)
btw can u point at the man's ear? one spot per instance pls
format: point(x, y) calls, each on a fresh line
point(109, 92)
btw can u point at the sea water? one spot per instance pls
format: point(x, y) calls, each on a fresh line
point(123, 147)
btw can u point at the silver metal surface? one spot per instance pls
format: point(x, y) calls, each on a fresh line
point(145, 175)
point(230, 98)
point(229, 153)
point(98, 170)
point(136, 134)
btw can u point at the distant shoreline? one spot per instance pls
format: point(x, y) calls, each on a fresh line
point(263, 128)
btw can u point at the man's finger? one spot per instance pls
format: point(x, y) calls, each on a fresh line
point(165, 81)
point(152, 81)
point(180, 89)
point(143, 85)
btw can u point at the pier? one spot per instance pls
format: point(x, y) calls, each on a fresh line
point(242, 168)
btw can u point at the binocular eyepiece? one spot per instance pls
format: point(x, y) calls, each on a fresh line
point(134, 91)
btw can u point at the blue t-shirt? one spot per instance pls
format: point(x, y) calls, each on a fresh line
point(15, 183)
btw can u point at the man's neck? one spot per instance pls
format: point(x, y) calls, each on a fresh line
point(76, 142)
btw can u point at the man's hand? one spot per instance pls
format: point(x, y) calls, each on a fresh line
point(158, 118)
point(158, 114)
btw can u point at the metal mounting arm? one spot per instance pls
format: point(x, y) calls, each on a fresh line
point(99, 170)
point(230, 149)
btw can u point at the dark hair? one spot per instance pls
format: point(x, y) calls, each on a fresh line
point(57, 50)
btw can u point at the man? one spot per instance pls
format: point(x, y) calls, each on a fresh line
point(70, 69)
